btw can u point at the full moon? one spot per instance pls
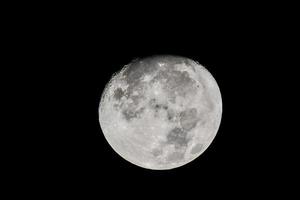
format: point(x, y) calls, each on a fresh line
point(161, 112)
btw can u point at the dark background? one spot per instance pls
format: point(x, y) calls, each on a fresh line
point(232, 53)
point(71, 54)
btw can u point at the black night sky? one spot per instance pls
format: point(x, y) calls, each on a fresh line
point(77, 54)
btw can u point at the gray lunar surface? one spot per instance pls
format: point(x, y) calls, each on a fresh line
point(161, 112)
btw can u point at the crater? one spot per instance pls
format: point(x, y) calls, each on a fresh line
point(137, 69)
point(118, 94)
point(188, 119)
point(156, 152)
point(177, 136)
point(154, 104)
point(197, 148)
point(171, 115)
point(175, 156)
point(190, 64)
point(175, 83)
point(130, 113)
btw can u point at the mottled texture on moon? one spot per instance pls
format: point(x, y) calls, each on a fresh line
point(161, 112)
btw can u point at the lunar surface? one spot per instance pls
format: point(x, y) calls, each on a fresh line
point(160, 112)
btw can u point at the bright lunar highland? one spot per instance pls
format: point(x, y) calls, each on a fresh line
point(161, 112)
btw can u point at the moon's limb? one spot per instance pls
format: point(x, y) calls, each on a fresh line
point(162, 112)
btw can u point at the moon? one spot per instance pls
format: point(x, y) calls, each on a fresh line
point(160, 112)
